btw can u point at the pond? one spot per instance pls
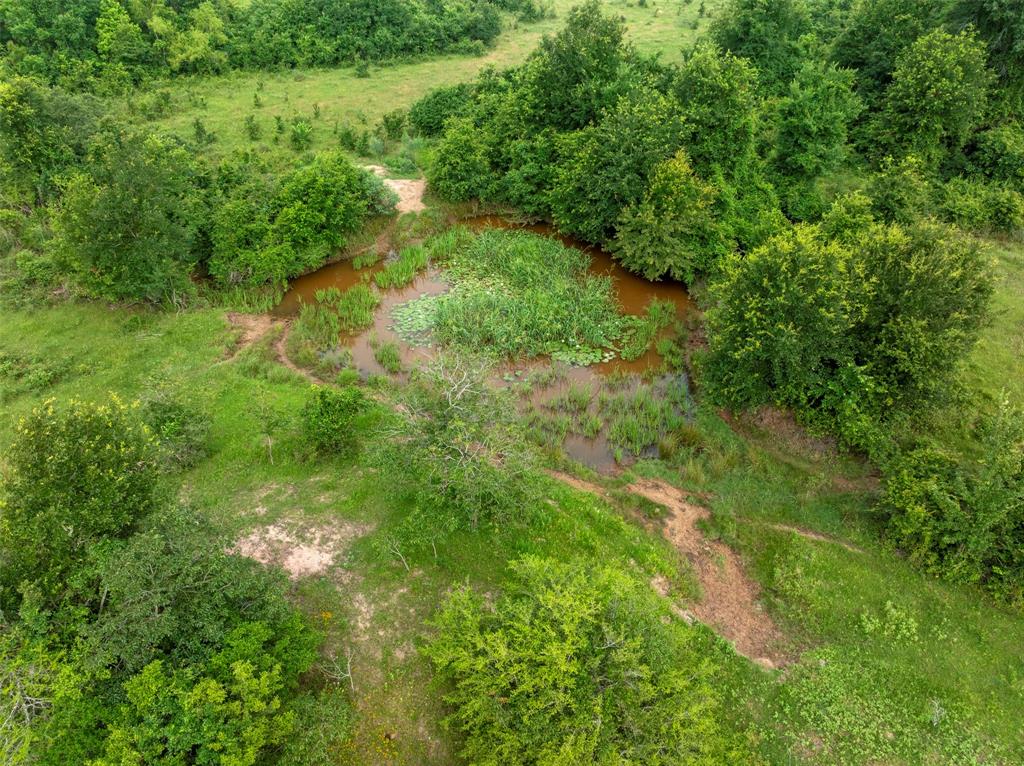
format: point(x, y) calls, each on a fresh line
point(632, 292)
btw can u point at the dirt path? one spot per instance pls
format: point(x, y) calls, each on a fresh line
point(730, 603)
point(281, 352)
point(410, 191)
point(252, 326)
point(810, 535)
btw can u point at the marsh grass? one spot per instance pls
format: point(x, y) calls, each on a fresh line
point(403, 270)
point(388, 356)
point(523, 295)
point(639, 419)
point(644, 330)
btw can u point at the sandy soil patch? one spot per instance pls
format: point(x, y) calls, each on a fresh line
point(300, 552)
point(410, 191)
point(730, 604)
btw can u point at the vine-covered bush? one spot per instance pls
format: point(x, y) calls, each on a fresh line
point(574, 664)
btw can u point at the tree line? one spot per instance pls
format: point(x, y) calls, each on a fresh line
point(110, 45)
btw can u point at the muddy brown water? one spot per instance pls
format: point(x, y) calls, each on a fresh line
point(633, 293)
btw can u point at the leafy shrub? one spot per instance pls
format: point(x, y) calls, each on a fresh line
point(459, 170)
point(428, 115)
point(574, 664)
point(850, 329)
point(263, 233)
point(605, 167)
point(301, 135)
point(181, 428)
point(901, 190)
point(1000, 153)
point(964, 518)
point(329, 416)
point(459, 449)
point(75, 475)
point(127, 226)
point(674, 229)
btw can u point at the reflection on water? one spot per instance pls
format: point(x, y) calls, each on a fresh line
point(634, 294)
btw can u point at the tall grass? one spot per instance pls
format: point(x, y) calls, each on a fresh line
point(402, 271)
point(519, 294)
point(645, 329)
point(354, 307)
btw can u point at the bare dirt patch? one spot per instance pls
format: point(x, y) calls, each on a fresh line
point(301, 552)
point(580, 484)
point(410, 191)
point(250, 328)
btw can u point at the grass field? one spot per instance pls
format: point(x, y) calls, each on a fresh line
point(222, 103)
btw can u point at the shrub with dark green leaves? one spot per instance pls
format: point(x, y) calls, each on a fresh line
point(852, 329)
point(126, 227)
point(75, 475)
point(329, 418)
point(266, 232)
point(1000, 153)
point(428, 115)
point(577, 664)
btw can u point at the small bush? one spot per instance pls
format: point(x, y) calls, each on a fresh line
point(328, 419)
point(181, 428)
point(964, 518)
point(575, 664)
point(428, 115)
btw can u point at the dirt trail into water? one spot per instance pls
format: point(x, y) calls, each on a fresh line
point(251, 328)
point(730, 603)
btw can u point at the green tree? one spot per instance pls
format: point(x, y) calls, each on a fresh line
point(569, 77)
point(459, 170)
point(126, 227)
point(75, 475)
point(876, 32)
point(199, 47)
point(605, 167)
point(938, 95)
point(717, 93)
point(778, 329)
point(1000, 23)
point(575, 664)
point(44, 132)
point(674, 230)
point(812, 122)
point(765, 32)
point(119, 40)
